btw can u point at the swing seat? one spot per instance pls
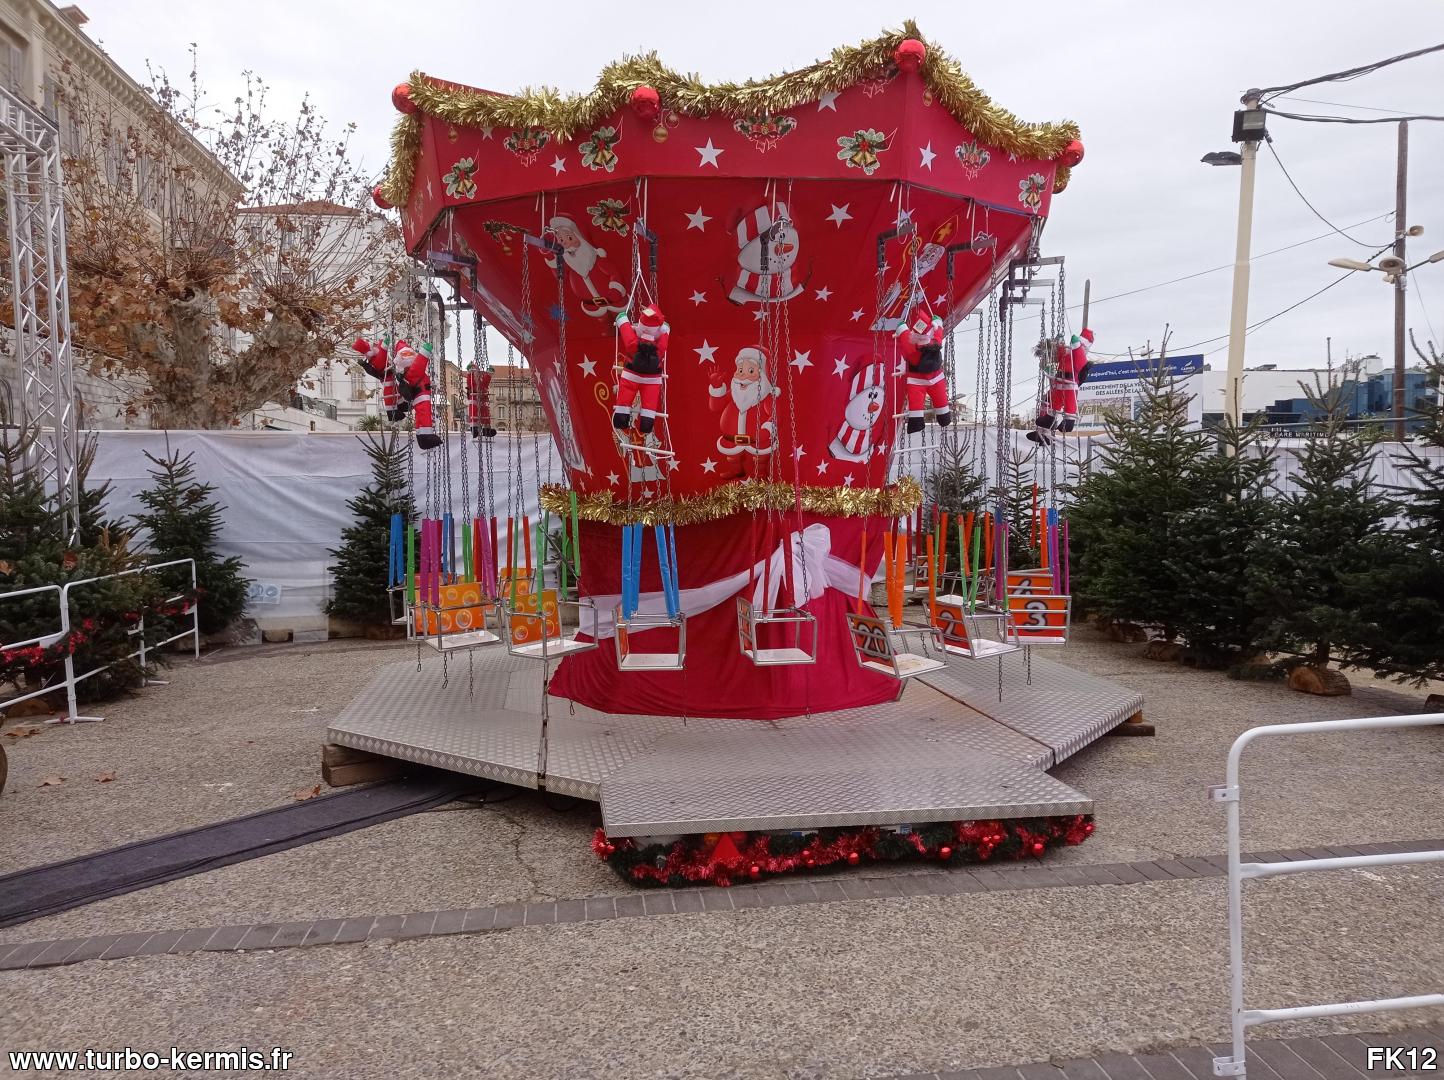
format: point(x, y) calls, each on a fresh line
point(1039, 618)
point(538, 636)
point(630, 658)
point(879, 647)
point(803, 626)
point(964, 633)
point(1039, 580)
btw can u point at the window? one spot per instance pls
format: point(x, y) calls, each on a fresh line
point(358, 386)
point(48, 98)
point(12, 66)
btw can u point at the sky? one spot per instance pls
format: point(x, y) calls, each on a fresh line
point(1152, 84)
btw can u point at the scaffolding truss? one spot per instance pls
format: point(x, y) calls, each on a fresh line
point(40, 294)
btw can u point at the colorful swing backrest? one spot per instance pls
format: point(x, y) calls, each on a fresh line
point(950, 621)
point(1035, 616)
point(527, 626)
point(1029, 581)
point(870, 639)
point(745, 632)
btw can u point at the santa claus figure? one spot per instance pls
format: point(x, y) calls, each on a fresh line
point(1069, 369)
point(375, 363)
point(746, 405)
point(864, 408)
point(767, 250)
point(478, 402)
point(644, 346)
point(921, 345)
point(410, 373)
point(593, 281)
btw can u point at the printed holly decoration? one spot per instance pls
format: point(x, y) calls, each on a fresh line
point(973, 157)
point(764, 130)
point(861, 149)
point(610, 214)
point(526, 143)
point(597, 152)
point(458, 179)
point(1030, 192)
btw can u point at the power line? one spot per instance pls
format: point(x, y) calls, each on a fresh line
point(1346, 105)
point(1311, 118)
point(1349, 74)
point(1311, 206)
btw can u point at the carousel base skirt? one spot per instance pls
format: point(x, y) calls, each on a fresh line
point(946, 750)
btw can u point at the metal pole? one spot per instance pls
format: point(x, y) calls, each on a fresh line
point(1401, 228)
point(1238, 320)
point(1087, 288)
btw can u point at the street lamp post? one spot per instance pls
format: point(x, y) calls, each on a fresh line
point(1248, 129)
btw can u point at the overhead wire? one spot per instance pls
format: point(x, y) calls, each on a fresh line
point(1305, 199)
point(1268, 93)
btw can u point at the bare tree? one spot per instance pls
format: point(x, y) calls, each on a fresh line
point(215, 252)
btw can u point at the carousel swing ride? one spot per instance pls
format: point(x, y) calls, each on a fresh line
point(739, 308)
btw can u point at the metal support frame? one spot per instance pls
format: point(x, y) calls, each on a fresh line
point(1230, 795)
point(801, 622)
point(35, 217)
point(630, 658)
point(548, 647)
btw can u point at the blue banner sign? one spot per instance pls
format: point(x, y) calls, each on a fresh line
point(1113, 370)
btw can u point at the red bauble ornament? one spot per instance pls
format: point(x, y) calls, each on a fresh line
point(1072, 153)
point(401, 99)
point(1088, 828)
point(646, 103)
point(379, 199)
point(945, 852)
point(1038, 847)
point(909, 55)
point(853, 858)
point(755, 871)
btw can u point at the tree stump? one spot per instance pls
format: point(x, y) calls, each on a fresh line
point(1434, 703)
point(1325, 682)
point(1163, 650)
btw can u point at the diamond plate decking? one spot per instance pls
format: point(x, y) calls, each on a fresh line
point(946, 750)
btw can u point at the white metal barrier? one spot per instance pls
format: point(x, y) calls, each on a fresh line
point(1238, 870)
point(137, 631)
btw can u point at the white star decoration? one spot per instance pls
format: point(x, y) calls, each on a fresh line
point(839, 367)
point(697, 219)
point(709, 154)
point(828, 100)
point(904, 220)
point(1012, 157)
point(824, 293)
point(839, 214)
point(940, 299)
point(847, 480)
point(486, 131)
point(559, 165)
point(613, 479)
point(705, 355)
point(859, 313)
point(709, 465)
point(822, 467)
point(588, 365)
point(760, 313)
point(672, 463)
point(928, 155)
point(798, 453)
point(699, 298)
point(801, 360)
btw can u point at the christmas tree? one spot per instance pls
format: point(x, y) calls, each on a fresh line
point(1125, 523)
point(362, 559)
point(1218, 612)
point(1018, 494)
point(183, 522)
point(955, 487)
point(1324, 542)
point(1405, 592)
point(36, 549)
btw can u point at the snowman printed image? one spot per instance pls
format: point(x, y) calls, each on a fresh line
point(865, 404)
point(767, 251)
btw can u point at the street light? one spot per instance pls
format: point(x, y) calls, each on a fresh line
point(1249, 129)
point(1395, 271)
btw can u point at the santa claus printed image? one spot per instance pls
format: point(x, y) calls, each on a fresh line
point(593, 281)
point(746, 404)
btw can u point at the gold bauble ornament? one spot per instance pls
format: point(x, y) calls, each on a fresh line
point(659, 133)
point(927, 97)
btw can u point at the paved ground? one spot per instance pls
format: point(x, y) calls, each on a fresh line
point(847, 988)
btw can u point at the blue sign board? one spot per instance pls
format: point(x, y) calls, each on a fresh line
point(1114, 370)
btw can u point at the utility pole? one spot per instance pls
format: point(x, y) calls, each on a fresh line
point(1248, 130)
point(1401, 229)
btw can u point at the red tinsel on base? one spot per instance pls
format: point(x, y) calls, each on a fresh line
point(723, 858)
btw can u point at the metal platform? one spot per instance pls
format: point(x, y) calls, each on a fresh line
point(946, 750)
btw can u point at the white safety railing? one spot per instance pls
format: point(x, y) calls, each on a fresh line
point(143, 647)
point(1238, 871)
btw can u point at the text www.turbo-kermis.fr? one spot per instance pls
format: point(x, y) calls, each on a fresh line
point(173, 1060)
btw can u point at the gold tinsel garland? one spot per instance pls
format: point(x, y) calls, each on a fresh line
point(563, 116)
point(743, 496)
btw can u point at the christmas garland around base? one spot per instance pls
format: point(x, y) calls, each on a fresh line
point(725, 858)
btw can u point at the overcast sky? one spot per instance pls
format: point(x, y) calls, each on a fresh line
point(1152, 84)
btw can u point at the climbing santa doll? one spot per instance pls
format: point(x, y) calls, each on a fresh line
point(921, 345)
point(478, 401)
point(405, 384)
point(746, 407)
point(1065, 375)
point(643, 347)
point(592, 279)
